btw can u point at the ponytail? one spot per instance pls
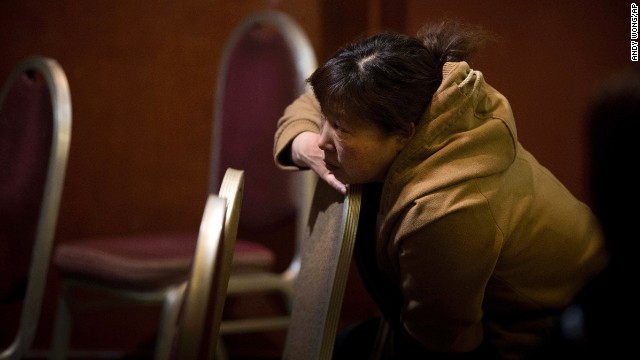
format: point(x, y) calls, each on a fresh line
point(451, 41)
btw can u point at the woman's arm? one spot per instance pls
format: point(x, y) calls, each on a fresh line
point(297, 137)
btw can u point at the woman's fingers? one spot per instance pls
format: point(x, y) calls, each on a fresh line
point(305, 152)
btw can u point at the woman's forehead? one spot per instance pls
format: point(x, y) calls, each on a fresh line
point(345, 119)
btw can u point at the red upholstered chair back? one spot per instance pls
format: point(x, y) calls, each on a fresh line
point(35, 132)
point(260, 80)
point(25, 147)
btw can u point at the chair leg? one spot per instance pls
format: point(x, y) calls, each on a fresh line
point(221, 351)
point(62, 327)
point(168, 322)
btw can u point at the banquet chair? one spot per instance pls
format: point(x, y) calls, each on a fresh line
point(203, 284)
point(35, 132)
point(184, 318)
point(201, 313)
point(264, 65)
point(327, 250)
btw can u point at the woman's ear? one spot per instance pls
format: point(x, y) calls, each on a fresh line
point(404, 136)
point(408, 133)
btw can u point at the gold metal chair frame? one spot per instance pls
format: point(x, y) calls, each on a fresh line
point(56, 80)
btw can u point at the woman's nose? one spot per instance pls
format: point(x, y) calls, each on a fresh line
point(325, 138)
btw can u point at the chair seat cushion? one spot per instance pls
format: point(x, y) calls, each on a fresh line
point(147, 261)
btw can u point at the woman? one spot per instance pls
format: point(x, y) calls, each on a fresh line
point(476, 246)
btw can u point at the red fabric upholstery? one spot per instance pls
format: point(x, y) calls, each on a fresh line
point(147, 261)
point(254, 98)
point(25, 145)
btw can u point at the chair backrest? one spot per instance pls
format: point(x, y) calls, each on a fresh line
point(326, 258)
point(35, 133)
point(264, 65)
point(211, 269)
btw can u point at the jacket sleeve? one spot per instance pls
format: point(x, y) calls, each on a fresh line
point(444, 267)
point(300, 116)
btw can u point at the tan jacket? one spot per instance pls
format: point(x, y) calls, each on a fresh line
point(479, 237)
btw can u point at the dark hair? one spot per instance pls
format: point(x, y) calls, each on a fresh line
point(390, 78)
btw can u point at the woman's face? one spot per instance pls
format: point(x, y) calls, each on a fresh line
point(356, 151)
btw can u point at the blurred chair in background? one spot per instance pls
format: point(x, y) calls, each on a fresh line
point(35, 133)
point(265, 63)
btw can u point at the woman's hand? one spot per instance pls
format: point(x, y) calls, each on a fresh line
point(305, 152)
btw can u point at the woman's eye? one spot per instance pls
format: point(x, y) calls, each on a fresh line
point(336, 125)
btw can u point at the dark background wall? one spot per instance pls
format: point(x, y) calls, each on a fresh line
point(142, 78)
